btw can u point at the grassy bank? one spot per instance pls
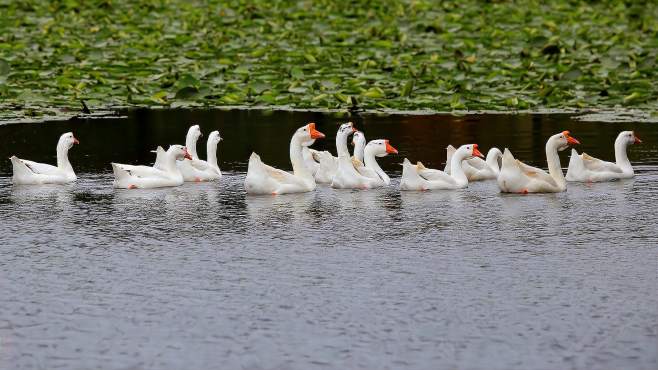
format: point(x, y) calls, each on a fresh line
point(496, 55)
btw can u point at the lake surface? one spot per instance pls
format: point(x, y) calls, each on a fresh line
point(203, 276)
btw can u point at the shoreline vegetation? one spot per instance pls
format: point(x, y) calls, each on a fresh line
point(375, 55)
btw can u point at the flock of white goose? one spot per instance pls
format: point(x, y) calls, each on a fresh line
point(181, 164)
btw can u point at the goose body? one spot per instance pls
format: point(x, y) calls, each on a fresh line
point(371, 169)
point(33, 173)
point(517, 177)
point(325, 165)
point(585, 168)
point(264, 179)
point(476, 168)
point(196, 169)
point(146, 177)
point(419, 178)
point(347, 176)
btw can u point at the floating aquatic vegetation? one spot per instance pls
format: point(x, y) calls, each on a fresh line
point(376, 55)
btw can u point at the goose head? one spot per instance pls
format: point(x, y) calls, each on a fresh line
point(468, 151)
point(562, 140)
point(179, 152)
point(194, 132)
point(66, 141)
point(358, 139)
point(214, 138)
point(628, 137)
point(345, 130)
point(380, 148)
point(308, 134)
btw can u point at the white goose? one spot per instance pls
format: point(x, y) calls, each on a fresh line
point(476, 168)
point(517, 177)
point(585, 168)
point(145, 177)
point(371, 169)
point(418, 178)
point(196, 169)
point(359, 144)
point(264, 179)
point(33, 173)
point(309, 158)
point(347, 176)
point(324, 165)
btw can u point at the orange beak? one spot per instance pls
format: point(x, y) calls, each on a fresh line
point(476, 152)
point(390, 149)
point(570, 140)
point(75, 141)
point(187, 154)
point(637, 140)
point(315, 134)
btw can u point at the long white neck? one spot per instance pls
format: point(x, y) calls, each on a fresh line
point(190, 143)
point(63, 158)
point(456, 170)
point(359, 150)
point(371, 162)
point(341, 146)
point(554, 167)
point(621, 157)
point(297, 158)
point(211, 151)
point(169, 162)
point(492, 160)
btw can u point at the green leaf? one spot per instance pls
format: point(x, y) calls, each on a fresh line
point(572, 74)
point(310, 58)
point(629, 99)
point(4, 70)
point(186, 93)
point(342, 98)
point(296, 73)
point(407, 88)
point(512, 102)
point(374, 92)
point(159, 97)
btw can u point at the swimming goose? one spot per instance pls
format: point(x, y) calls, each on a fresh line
point(478, 169)
point(585, 168)
point(145, 177)
point(33, 173)
point(517, 177)
point(264, 179)
point(418, 177)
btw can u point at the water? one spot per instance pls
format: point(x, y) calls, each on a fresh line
point(202, 276)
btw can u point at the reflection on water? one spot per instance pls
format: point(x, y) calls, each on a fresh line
point(94, 277)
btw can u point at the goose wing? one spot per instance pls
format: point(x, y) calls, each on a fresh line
point(41, 168)
point(595, 164)
point(141, 171)
point(200, 165)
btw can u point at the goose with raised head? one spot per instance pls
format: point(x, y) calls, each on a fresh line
point(33, 173)
point(264, 179)
point(196, 169)
point(476, 168)
point(191, 138)
point(359, 144)
point(371, 169)
point(517, 177)
point(145, 177)
point(324, 165)
point(418, 177)
point(585, 168)
point(347, 176)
